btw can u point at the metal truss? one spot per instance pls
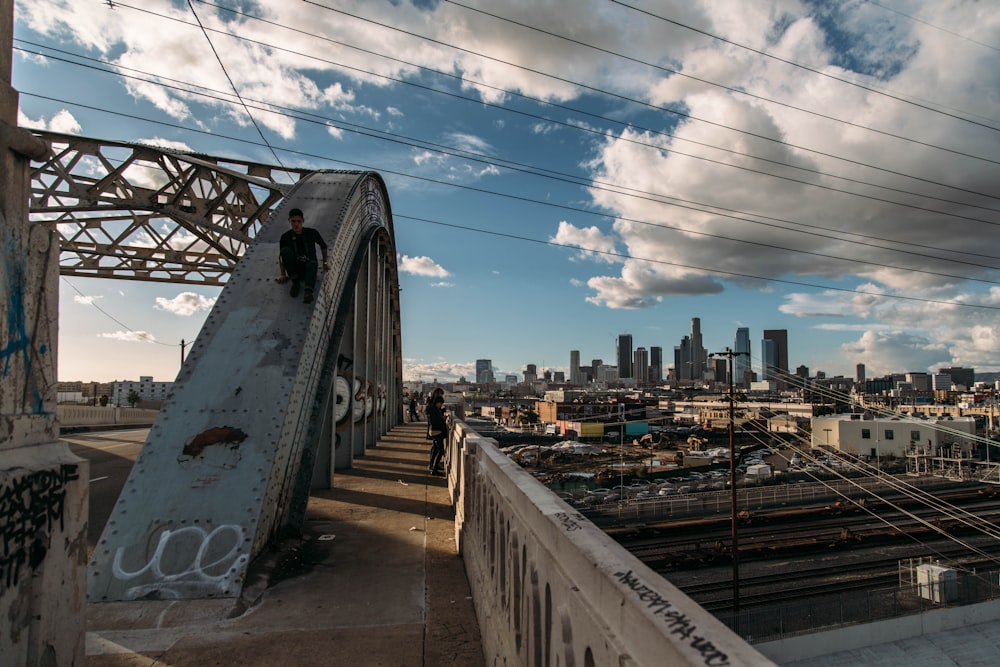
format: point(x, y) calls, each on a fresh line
point(137, 212)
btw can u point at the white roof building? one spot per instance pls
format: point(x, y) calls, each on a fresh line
point(871, 435)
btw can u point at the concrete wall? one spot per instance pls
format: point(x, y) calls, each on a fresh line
point(43, 487)
point(85, 415)
point(552, 588)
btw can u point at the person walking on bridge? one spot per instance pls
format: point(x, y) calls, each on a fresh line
point(437, 431)
point(297, 255)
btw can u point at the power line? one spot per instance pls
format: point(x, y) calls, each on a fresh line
point(711, 83)
point(795, 64)
point(629, 125)
point(611, 187)
point(516, 197)
point(689, 266)
point(111, 317)
point(931, 25)
point(222, 65)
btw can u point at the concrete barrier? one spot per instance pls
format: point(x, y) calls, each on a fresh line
point(71, 416)
point(552, 588)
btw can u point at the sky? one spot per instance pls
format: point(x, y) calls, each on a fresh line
point(565, 171)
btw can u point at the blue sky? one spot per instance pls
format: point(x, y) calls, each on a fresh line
point(564, 171)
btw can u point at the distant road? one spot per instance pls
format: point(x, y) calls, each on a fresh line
point(111, 455)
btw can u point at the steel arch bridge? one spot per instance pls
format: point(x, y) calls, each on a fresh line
point(275, 394)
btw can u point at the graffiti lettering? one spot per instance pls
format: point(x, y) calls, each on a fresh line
point(569, 523)
point(677, 622)
point(30, 505)
point(186, 562)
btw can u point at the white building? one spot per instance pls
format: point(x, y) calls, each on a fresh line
point(871, 435)
point(146, 388)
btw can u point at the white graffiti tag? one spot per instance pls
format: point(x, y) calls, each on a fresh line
point(187, 562)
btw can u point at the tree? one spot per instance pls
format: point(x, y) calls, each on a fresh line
point(133, 398)
point(103, 400)
point(527, 417)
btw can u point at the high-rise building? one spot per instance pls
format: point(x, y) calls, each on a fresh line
point(640, 366)
point(595, 365)
point(530, 373)
point(682, 360)
point(941, 381)
point(860, 373)
point(575, 377)
point(768, 359)
point(484, 371)
point(963, 377)
point(625, 356)
point(776, 367)
point(698, 355)
point(741, 362)
point(919, 380)
point(656, 364)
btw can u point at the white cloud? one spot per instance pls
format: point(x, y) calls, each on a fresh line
point(85, 300)
point(422, 266)
point(63, 122)
point(593, 243)
point(168, 144)
point(130, 336)
point(440, 370)
point(890, 351)
point(185, 304)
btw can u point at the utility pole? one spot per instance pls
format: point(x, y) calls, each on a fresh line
point(730, 355)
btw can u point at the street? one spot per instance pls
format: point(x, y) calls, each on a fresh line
point(111, 455)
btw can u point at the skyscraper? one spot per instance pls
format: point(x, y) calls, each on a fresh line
point(682, 359)
point(641, 366)
point(484, 371)
point(741, 362)
point(574, 367)
point(656, 364)
point(698, 355)
point(777, 366)
point(625, 356)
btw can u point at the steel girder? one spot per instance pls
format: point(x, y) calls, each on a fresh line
point(137, 212)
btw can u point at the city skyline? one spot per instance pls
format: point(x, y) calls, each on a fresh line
point(824, 169)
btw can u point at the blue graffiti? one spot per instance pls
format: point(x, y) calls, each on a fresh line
point(19, 342)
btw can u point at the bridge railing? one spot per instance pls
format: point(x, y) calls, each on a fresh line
point(550, 587)
point(71, 416)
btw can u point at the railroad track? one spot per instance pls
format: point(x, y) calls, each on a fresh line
point(665, 547)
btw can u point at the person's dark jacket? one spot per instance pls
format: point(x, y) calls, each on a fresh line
point(436, 420)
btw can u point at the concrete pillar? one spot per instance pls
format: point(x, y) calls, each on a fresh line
point(43, 487)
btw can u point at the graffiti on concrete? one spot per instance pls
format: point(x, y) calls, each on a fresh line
point(354, 396)
point(677, 621)
point(24, 345)
point(30, 505)
point(187, 562)
point(569, 522)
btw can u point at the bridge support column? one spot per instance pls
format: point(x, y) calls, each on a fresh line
point(43, 487)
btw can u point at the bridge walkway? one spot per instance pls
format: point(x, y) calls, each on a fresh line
point(375, 580)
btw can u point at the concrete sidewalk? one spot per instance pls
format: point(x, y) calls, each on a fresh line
point(376, 580)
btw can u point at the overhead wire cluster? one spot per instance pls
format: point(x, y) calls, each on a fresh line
point(916, 251)
point(863, 469)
